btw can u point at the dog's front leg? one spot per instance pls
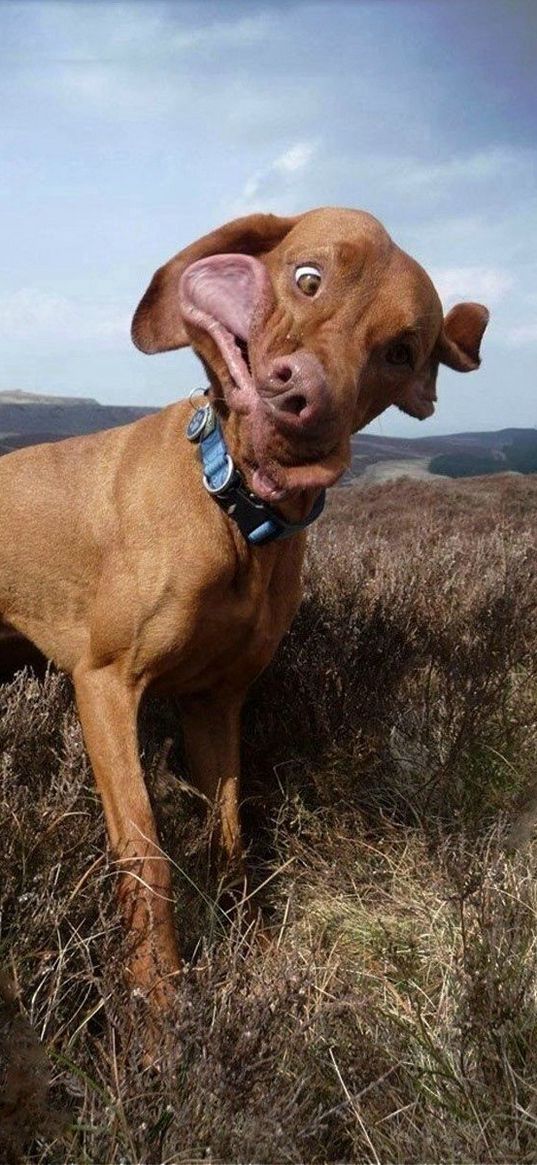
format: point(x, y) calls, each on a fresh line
point(108, 712)
point(211, 730)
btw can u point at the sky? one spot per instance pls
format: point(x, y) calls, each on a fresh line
point(130, 129)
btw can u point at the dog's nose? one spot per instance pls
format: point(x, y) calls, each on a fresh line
point(295, 388)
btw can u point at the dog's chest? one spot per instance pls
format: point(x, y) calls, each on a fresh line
point(232, 630)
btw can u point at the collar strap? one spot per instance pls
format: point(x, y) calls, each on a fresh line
point(257, 521)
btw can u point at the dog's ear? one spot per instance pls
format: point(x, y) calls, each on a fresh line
point(157, 325)
point(461, 336)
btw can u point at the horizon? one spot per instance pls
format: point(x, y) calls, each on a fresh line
point(104, 177)
point(366, 432)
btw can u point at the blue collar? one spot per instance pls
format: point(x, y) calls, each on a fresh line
point(257, 521)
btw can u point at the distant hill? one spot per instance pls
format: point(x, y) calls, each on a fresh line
point(453, 455)
point(29, 418)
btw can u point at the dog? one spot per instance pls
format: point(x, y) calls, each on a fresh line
point(166, 555)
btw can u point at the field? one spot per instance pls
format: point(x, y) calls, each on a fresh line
point(389, 796)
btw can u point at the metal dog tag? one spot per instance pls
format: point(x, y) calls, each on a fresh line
point(200, 424)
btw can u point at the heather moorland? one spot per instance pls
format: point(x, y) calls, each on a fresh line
point(389, 797)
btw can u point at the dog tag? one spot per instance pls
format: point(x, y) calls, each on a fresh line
point(199, 423)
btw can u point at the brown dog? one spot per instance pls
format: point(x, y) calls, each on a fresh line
point(118, 564)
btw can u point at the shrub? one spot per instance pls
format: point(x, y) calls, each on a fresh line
point(386, 752)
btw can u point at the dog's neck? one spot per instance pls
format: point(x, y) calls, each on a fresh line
point(235, 431)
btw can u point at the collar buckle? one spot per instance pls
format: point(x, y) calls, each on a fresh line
point(221, 478)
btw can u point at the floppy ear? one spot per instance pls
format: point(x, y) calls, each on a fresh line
point(459, 342)
point(157, 325)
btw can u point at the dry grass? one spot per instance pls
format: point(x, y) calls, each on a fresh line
point(387, 752)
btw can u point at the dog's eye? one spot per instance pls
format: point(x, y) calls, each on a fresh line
point(308, 279)
point(400, 354)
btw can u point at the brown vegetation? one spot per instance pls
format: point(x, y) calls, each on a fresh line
point(388, 750)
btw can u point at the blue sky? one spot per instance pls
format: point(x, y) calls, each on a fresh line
point(130, 129)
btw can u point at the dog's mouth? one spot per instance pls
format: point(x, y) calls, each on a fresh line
point(421, 411)
point(226, 297)
point(277, 478)
point(241, 393)
point(283, 467)
point(242, 347)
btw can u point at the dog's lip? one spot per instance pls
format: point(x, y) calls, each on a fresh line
point(267, 487)
point(422, 414)
point(275, 481)
point(241, 391)
point(232, 349)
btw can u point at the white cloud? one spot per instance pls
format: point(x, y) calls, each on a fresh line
point(295, 158)
point(87, 31)
point(132, 61)
point(273, 185)
point(32, 314)
point(487, 284)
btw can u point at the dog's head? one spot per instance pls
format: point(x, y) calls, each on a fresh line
point(308, 327)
